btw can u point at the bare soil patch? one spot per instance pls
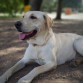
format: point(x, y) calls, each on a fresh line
point(12, 50)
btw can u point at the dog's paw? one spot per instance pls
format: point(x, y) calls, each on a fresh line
point(2, 80)
point(73, 64)
point(76, 62)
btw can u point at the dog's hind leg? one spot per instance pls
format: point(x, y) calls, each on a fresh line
point(78, 46)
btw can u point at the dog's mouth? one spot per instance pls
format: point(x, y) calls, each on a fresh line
point(27, 35)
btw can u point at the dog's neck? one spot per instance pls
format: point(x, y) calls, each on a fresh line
point(41, 39)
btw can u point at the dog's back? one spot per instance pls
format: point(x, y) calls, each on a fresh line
point(65, 48)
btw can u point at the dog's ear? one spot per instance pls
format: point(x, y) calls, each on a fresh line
point(48, 21)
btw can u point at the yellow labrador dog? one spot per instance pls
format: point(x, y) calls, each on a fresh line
point(45, 47)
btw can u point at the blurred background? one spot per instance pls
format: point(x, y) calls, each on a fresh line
point(56, 8)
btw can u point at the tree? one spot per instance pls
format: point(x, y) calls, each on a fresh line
point(59, 9)
point(11, 7)
point(36, 4)
point(49, 6)
point(72, 3)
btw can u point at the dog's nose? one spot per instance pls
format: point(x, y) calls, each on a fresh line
point(18, 25)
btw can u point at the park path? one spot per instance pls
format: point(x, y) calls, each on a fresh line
point(12, 50)
point(73, 16)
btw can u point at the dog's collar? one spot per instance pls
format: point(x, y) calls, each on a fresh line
point(39, 45)
point(35, 45)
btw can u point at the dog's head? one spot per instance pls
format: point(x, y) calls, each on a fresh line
point(32, 24)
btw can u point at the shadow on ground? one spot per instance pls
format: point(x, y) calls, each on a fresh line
point(12, 50)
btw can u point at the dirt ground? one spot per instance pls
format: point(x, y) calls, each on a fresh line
point(12, 50)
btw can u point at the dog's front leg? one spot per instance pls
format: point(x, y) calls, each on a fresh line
point(19, 65)
point(36, 71)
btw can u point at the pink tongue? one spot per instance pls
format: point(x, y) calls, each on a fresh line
point(22, 36)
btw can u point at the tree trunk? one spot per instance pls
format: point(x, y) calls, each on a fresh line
point(59, 10)
point(26, 2)
point(36, 5)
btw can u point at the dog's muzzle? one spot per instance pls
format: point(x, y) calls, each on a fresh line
point(18, 26)
point(24, 35)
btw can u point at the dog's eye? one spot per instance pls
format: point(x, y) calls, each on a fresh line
point(33, 17)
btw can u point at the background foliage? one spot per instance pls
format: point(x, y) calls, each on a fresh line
point(72, 3)
point(49, 5)
point(11, 6)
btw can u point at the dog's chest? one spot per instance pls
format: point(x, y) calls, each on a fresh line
point(39, 55)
